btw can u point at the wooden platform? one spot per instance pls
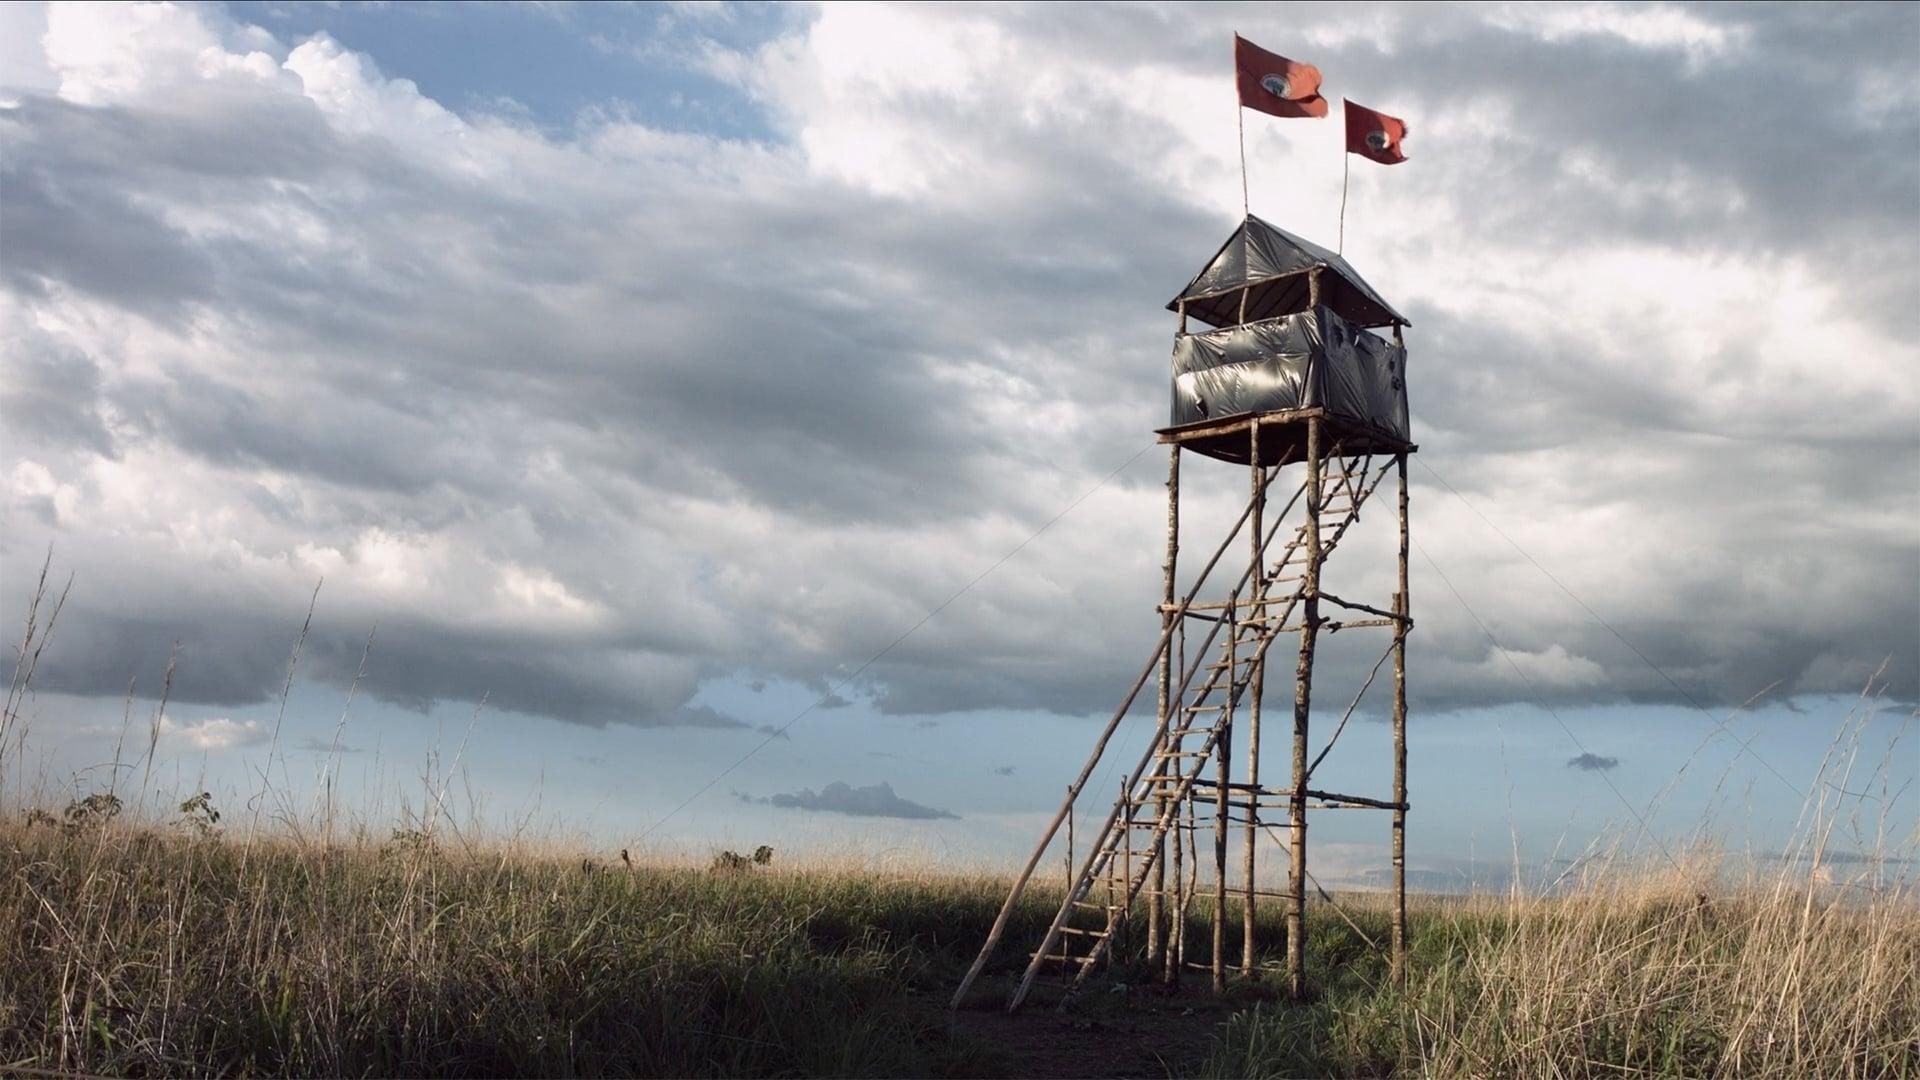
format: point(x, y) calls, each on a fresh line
point(1283, 436)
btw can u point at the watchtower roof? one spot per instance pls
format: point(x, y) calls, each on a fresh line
point(1274, 262)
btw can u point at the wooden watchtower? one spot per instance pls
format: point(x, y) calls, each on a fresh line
point(1286, 370)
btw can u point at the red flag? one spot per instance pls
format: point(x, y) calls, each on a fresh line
point(1374, 134)
point(1274, 84)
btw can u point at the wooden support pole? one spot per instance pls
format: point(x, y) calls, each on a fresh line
point(1222, 766)
point(1126, 870)
point(1257, 680)
point(1069, 868)
point(1175, 956)
point(1191, 883)
point(1157, 903)
point(1302, 700)
point(1403, 608)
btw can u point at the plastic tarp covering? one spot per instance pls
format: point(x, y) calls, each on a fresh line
point(1258, 251)
point(1310, 358)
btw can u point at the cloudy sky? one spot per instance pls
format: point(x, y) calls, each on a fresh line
point(644, 371)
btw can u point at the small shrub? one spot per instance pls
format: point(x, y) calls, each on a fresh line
point(93, 811)
point(735, 862)
point(199, 814)
point(410, 842)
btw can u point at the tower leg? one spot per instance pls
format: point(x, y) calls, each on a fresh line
point(1302, 698)
point(1401, 608)
point(1222, 774)
point(1122, 890)
point(1156, 903)
point(1257, 681)
point(1176, 954)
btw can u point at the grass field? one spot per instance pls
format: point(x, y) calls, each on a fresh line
point(165, 949)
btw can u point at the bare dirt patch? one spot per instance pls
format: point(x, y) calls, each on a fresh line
point(1128, 1032)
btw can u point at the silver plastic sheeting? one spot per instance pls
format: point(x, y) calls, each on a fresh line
point(1260, 252)
point(1310, 358)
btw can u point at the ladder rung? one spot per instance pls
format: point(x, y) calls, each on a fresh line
point(1097, 934)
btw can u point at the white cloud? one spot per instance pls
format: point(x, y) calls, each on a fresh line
point(356, 99)
point(214, 733)
point(1551, 668)
point(113, 53)
point(1646, 26)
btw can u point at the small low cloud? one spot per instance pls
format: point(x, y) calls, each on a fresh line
point(1551, 668)
point(214, 733)
point(703, 716)
point(774, 732)
point(1593, 763)
point(315, 745)
point(1004, 770)
point(875, 800)
point(833, 700)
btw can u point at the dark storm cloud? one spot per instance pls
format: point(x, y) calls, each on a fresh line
point(585, 424)
point(229, 653)
point(1588, 762)
point(874, 800)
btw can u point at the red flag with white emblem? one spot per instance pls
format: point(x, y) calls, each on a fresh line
point(1374, 135)
point(1274, 84)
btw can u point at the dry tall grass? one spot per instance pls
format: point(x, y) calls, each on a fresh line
point(1650, 962)
point(150, 951)
point(1672, 974)
point(145, 951)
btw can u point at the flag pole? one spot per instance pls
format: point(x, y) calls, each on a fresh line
point(1346, 168)
point(1240, 124)
point(1240, 118)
